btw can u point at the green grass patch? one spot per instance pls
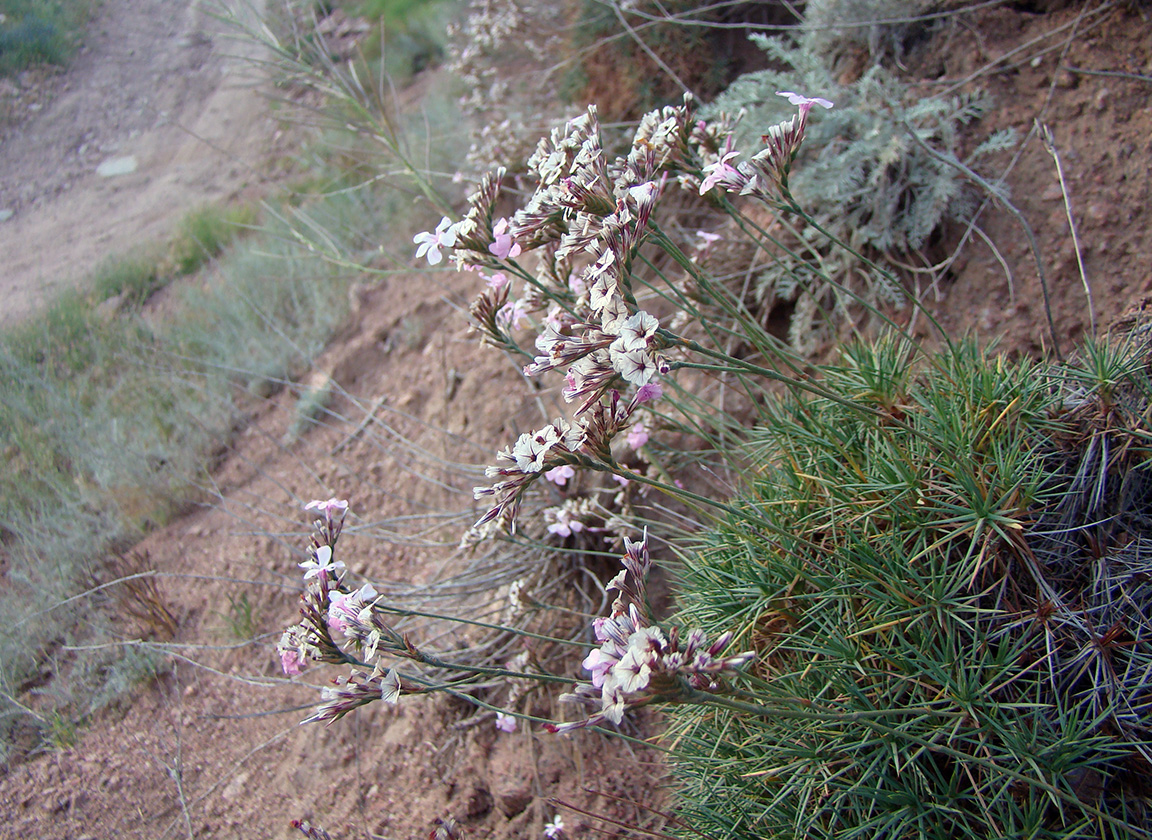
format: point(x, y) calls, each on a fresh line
point(133, 278)
point(40, 32)
point(106, 425)
point(204, 233)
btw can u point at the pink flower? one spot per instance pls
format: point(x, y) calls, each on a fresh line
point(504, 247)
point(599, 662)
point(290, 662)
point(328, 508)
point(497, 281)
point(513, 314)
point(505, 722)
point(638, 436)
point(555, 317)
point(804, 102)
point(621, 480)
point(649, 391)
point(566, 524)
point(707, 239)
point(560, 475)
point(431, 243)
point(721, 173)
point(338, 611)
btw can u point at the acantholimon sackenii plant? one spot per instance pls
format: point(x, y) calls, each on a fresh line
point(899, 613)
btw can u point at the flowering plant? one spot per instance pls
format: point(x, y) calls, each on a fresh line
point(637, 662)
point(588, 225)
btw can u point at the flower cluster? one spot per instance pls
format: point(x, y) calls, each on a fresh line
point(357, 689)
point(766, 174)
point(330, 611)
point(588, 218)
point(310, 639)
point(552, 452)
point(637, 662)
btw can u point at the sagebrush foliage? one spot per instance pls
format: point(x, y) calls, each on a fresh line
point(862, 175)
point(833, 28)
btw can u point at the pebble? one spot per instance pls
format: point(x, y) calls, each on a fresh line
point(6, 213)
point(117, 166)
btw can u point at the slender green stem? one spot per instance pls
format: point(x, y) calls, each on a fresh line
point(473, 623)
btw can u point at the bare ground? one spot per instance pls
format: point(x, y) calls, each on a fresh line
point(163, 81)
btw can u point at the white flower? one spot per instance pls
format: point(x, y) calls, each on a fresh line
point(366, 595)
point(633, 671)
point(505, 722)
point(636, 366)
point(430, 243)
point(612, 699)
point(390, 687)
point(804, 102)
point(329, 507)
point(637, 330)
point(555, 828)
point(531, 447)
point(322, 564)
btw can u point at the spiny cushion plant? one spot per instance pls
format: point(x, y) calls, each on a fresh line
point(951, 606)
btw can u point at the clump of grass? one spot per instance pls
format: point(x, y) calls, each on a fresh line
point(40, 32)
point(133, 278)
point(204, 233)
point(240, 620)
point(311, 406)
point(29, 42)
point(408, 36)
point(105, 425)
point(140, 597)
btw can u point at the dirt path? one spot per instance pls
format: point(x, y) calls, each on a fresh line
point(160, 82)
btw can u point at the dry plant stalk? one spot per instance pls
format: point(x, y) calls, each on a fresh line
point(139, 595)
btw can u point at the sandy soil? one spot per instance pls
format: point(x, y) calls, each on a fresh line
point(161, 81)
point(209, 750)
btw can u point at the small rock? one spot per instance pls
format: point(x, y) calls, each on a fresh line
point(512, 795)
point(1100, 100)
point(1066, 80)
point(117, 166)
point(479, 802)
point(235, 787)
point(6, 213)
